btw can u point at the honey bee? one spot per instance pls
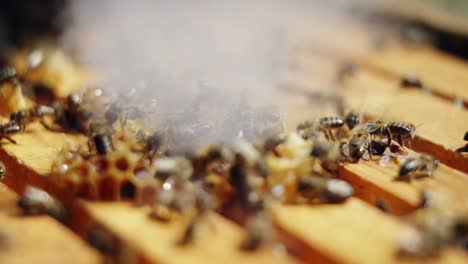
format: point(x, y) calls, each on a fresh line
point(3, 171)
point(7, 73)
point(7, 129)
point(411, 82)
point(464, 148)
point(352, 119)
point(327, 124)
point(423, 164)
point(434, 227)
point(100, 138)
point(102, 240)
point(204, 204)
point(152, 143)
point(328, 153)
point(36, 201)
point(249, 198)
point(402, 131)
point(308, 130)
point(23, 117)
point(273, 141)
point(260, 231)
point(323, 189)
point(378, 128)
point(358, 145)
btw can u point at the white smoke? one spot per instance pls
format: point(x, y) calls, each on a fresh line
point(238, 50)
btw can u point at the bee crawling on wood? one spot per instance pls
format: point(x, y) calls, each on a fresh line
point(358, 145)
point(204, 204)
point(7, 129)
point(323, 189)
point(3, 171)
point(464, 149)
point(308, 130)
point(377, 128)
point(328, 153)
point(410, 81)
point(35, 201)
point(328, 124)
point(424, 164)
point(260, 231)
point(402, 131)
point(23, 117)
point(352, 119)
point(73, 115)
point(7, 73)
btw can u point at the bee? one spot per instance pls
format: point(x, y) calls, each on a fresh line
point(260, 231)
point(100, 138)
point(328, 153)
point(460, 229)
point(249, 198)
point(204, 204)
point(152, 143)
point(35, 201)
point(359, 143)
point(423, 164)
point(102, 240)
point(308, 130)
point(422, 242)
point(327, 124)
point(464, 148)
point(324, 189)
point(7, 73)
point(273, 141)
point(411, 82)
point(23, 117)
point(9, 128)
point(73, 115)
point(379, 128)
point(352, 119)
point(403, 131)
point(3, 171)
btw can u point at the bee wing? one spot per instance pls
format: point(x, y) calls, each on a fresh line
point(363, 126)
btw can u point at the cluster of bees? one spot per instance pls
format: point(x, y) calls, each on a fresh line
point(124, 159)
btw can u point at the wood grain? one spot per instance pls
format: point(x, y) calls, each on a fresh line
point(351, 233)
point(37, 239)
point(443, 74)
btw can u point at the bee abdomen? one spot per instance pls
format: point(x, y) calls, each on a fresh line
point(331, 122)
point(103, 144)
point(397, 128)
point(10, 128)
point(409, 167)
point(352, 119)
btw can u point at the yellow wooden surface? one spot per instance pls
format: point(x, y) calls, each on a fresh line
point(351, 233)
point(37, 239)
point(440, 72)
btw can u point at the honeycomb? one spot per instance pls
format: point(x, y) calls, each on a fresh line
point(121, 175)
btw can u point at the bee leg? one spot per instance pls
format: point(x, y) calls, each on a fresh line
point(48, 127)
point(8, 138)
point(400, 140)
point(409, 142)
point(332, 136)
point(389, 137)
point(369, 150)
